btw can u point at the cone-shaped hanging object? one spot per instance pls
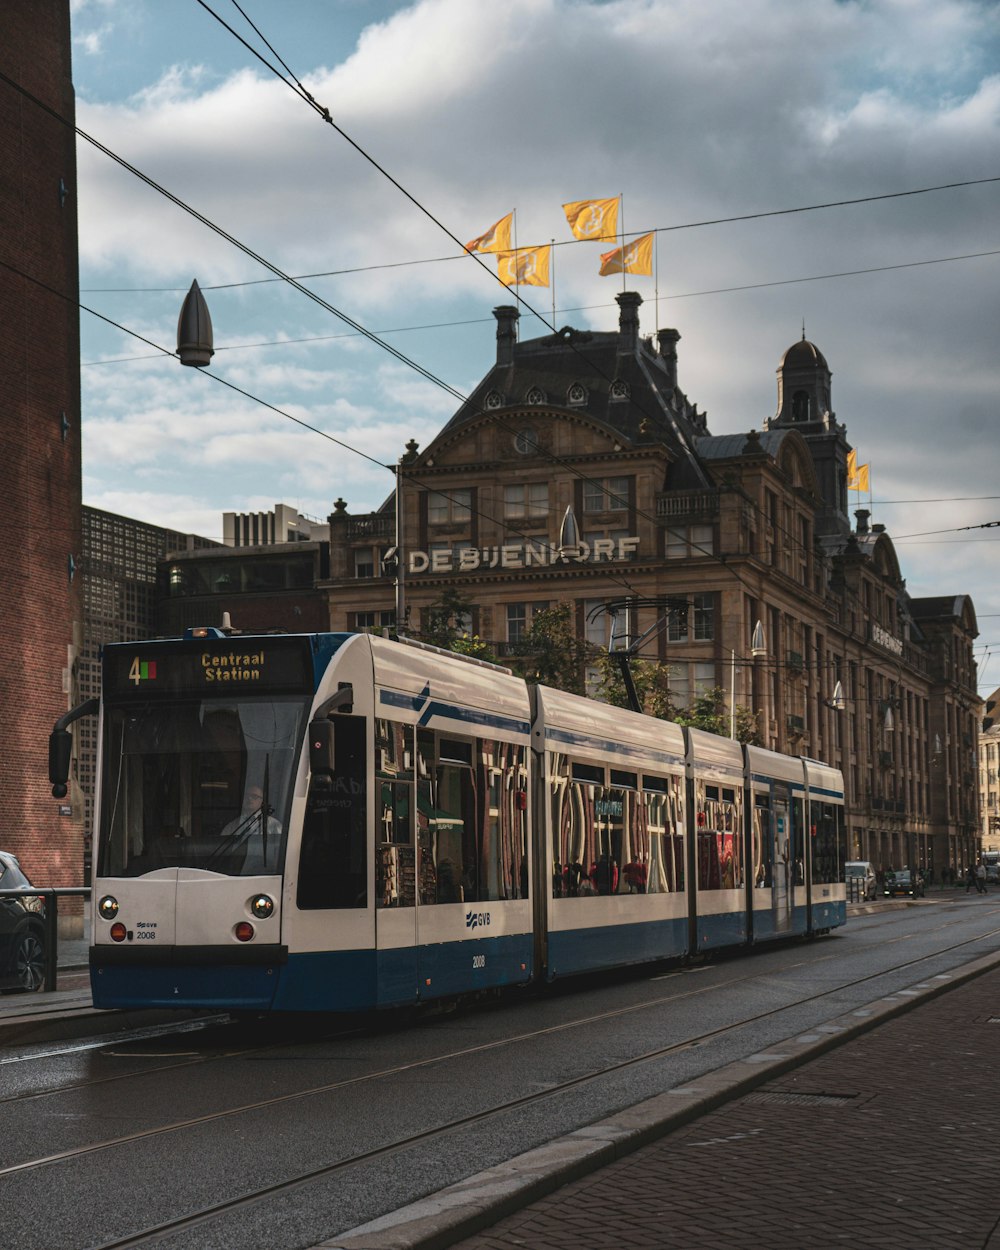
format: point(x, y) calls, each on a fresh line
point(194, 330)
point(569, 536)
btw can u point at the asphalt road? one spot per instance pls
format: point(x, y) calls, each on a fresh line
point(102, 1143)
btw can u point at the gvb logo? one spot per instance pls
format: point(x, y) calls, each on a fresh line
point(477, 919)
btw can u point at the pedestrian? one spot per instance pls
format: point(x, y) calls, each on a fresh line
point(981, 877)
point(970, 879)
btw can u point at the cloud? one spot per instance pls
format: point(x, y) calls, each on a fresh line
point(475, 110)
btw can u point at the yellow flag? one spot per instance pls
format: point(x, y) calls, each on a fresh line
point(857, 474)
point(593, 219)
point(634, 257)
point(496, 239)
point(528, 266)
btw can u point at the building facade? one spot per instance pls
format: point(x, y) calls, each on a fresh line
point(281, 525)
point(39, 433)
point(989, 773)
point(579, 473)
point(118, 576)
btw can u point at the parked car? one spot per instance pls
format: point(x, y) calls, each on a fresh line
point(22, 930)
point(862, 872)
point(902, 883)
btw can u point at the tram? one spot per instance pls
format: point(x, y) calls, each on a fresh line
point(341, 822)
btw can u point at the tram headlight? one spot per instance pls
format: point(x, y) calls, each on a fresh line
point(262, 906)
point(244, 931)
point(108, 907)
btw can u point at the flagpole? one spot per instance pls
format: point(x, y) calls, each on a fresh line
point(621, 215)
point(514, 284)
point(552, 262)
point(656, 284)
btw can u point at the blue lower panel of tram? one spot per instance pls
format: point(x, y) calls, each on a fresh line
point(363, 980)
point(722, 929)
point(580, 950)
point(827, 915)
point(225, 987)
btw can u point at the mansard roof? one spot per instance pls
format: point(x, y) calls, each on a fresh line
point(619, 378)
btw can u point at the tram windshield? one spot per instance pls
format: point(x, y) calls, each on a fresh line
point(198, 784)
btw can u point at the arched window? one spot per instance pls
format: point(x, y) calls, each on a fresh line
point(800, 406)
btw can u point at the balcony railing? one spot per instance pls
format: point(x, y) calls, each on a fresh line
point(371, 527)
point(678, 504)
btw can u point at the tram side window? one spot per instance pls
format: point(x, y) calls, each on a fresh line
point(395, 875)
point(826, 829)
point(663, 804)
point(502, 823)
point(472, 831)
point(718, 825)
point(333, 865)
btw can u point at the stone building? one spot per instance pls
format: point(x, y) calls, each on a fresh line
point(989, 772)
point(40, 597)
point(579, 472)
point(117, 570)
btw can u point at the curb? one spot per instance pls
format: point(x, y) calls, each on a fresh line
point(476, 1203)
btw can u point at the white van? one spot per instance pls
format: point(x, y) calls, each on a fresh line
point(861, 872)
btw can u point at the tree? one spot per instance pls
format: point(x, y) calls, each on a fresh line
point(550, 652)
point(447, 625)
point(651, 680)
point(709, 711)
point(446, 619)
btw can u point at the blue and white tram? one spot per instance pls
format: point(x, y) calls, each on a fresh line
point(610, 819)
point(797, 845)
point(340, 822)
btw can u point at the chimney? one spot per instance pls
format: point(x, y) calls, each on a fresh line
point(668, 339)
point(628, 321)
point(506, 316)
point(862, 514)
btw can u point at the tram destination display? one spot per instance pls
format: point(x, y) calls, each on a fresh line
point(208, 666)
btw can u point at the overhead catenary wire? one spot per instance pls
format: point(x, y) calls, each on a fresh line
point(279, 275)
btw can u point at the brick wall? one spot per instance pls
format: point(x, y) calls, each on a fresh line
point(40, 608)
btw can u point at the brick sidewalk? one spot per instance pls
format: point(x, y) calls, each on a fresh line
point(890, 1141)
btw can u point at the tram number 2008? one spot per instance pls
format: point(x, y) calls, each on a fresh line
point(479, 961)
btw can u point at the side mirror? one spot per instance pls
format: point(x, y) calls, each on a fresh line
point(60, 754)
point(321, 751)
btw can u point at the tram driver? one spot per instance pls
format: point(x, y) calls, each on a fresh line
point(258, 840)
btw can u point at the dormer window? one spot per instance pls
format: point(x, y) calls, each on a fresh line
point(493, 400)
point(577, 394)
point(535, 396)
point(620, 390)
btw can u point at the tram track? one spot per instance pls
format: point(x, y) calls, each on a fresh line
point(262, 1194)
point(107, 1046)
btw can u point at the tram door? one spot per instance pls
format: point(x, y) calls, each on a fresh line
point(782, 897)
point(396, 822)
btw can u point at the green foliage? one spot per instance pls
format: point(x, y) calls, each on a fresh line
point(710, 711)
point(445, 626)
point(472, 644)
point(551, 653)
point(445, 620)
point(651, 680)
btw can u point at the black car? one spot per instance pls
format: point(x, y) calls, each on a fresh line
point(903, 884)
point(22, 930)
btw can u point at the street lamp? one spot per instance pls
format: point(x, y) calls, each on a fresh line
point(758, 649)
point(195, 345)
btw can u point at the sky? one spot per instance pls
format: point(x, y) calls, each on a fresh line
point(450, 113)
